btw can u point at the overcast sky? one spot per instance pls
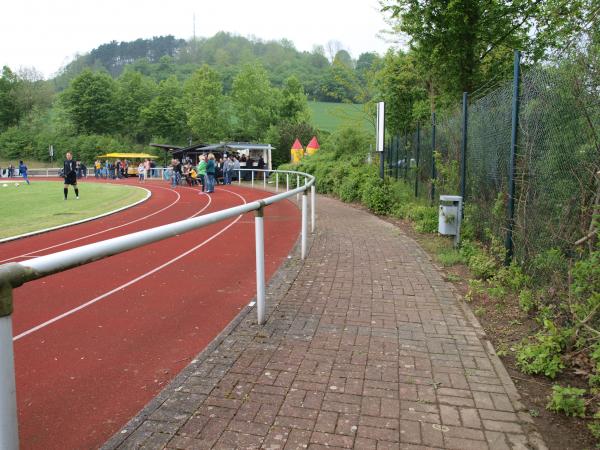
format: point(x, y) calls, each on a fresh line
point(46, 34)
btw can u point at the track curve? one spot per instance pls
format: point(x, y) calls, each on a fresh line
point(82, 376)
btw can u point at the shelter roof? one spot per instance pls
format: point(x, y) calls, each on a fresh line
point(238, 146)
point(128, 155)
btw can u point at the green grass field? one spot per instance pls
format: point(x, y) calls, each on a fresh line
point(332, 116)
point(40, 205)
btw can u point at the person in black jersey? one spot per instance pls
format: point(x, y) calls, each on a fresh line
point(70, 174)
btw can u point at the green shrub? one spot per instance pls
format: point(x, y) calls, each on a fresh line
point(468, 249)
point(512, 277)
point(543, 354)
point(376, 196)
point(567, 400)
point(425, 218)
point(450, 257)
point(526, 300)
point(349, 189)
point(475, 288)
point(594, 428)
point(549, 267)
point(497, 292)
point(482, 266)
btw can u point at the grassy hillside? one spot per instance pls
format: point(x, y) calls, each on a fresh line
point(331, 116)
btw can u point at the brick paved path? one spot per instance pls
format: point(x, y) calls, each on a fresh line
point(365, 347)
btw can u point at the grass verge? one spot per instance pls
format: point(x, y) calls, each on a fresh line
point(40, 205)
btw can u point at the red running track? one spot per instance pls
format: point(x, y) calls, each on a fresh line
point(82, 377)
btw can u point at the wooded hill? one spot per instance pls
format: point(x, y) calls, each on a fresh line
point(331, 75)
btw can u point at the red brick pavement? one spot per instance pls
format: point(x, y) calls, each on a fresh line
point(365, 347)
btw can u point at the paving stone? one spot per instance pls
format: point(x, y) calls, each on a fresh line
point(365, 346)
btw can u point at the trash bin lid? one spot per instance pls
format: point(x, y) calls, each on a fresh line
point(450, 198)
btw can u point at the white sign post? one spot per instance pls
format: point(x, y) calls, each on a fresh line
point(380, 138)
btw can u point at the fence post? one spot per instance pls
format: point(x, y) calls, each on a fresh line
point(252, 176)
point(313, 204)
point(304, 222)
point(260, 264)
point(512, 167)
point(418, 162)
point(287, 182)
point(463, 151)
point(239, 177)
point(406, 160)
point(433, 173)
point(276, 181)
point(9, 428)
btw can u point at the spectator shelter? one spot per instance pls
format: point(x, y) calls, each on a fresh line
point(131, 157)
point(193, 152)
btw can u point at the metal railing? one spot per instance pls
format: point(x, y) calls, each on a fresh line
point(13, 275)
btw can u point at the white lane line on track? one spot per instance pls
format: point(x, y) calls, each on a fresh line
point(98, 232)
point(135, 280)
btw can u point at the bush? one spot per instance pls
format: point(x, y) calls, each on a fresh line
point(549, 267)
point(376, 196)
point(526, 300)
point(543, 355)
point(424, 217)
point(594, 428)
point(512, 277)
point(450, 257)
point(482, 266)
point(567, 400)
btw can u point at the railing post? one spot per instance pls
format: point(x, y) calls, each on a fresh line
point(512, 164)
point(313, 204)
point(260, 264)
point(276, 181)
point(239, 177)
point(297, 186)
point(252, 176)
point(287, 182)
point(264, 176)
point(304, 222)
point(9, 429)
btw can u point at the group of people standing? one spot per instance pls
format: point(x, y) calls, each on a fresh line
point(204, 173)
point(208, 171)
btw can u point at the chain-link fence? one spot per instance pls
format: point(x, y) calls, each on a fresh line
point(557, 158)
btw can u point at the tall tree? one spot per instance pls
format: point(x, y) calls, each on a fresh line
point(206, 106)
point(399, 85)
point(294, 105)
point(254, 102)
point(134, 92)
point(165, 115)
point(9, 108)
point(460, 43)
point(89, 102)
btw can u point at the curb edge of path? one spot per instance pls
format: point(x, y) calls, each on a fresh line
point(534, 438)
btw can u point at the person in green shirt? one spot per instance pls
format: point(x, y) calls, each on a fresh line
point(211, 168)
point(201, 169)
